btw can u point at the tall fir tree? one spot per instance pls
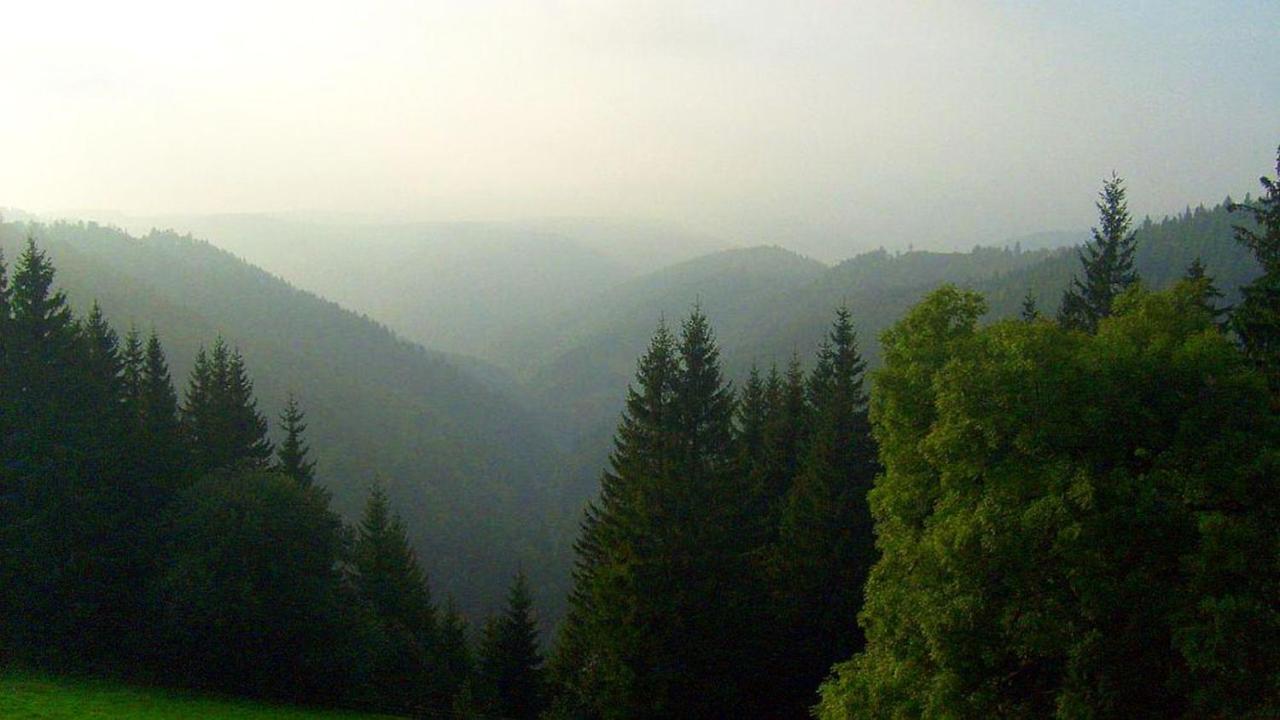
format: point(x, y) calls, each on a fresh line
point(7, 399)
point(133, 357)
point(1107, 262)
point(391, 581)
point(663, 588)
point(595, 642)
point(220, 415)
point(292, 455)
point(1256, 319)
point(160, 427)
point(511, 663)
point(1208, 293)
point(826, 545)
point(46, 523)
point(454, 660)
point(1029, 312)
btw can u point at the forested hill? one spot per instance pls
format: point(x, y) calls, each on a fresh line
point(465, 465)
point(768, 304)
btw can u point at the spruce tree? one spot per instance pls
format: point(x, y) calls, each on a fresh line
point(511, 664)
point(220, 416)
point(1030, 313)
point(1208, 293)
point(392, 583)
point(664, 581)
point(1257, 319)
point(159, 422)
point(133, 358)
point(453, 658)
point(826, 546)
point(291, 456)
point(7, 398)
point(104, 402)
point(47, 526)
point(248, 426)
point(1107, 262)
point(595, 641)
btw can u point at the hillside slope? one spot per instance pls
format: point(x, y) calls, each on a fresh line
point(767, 304)
point(466, 466)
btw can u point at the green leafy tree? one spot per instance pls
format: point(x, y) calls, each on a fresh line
point(1107, 262)
point(291, 456)
point(1069, 524)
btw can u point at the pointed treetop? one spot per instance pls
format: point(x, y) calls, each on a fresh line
point(291, 456)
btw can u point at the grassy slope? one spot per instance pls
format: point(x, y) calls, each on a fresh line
point(24, 697)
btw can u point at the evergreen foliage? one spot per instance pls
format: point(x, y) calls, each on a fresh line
point(1257, 318)
point(292, 454)
point(663, 583)
point(392, 583)
point(825, 545)
point(1030, 312)
point(1107, 262)
point(120, 552)
point(220, 415)
point(510, 667)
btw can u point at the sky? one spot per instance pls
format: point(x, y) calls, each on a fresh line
point(820, 124)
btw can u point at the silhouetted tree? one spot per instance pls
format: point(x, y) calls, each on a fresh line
point(1107, 262)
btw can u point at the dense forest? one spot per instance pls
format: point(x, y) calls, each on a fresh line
point(1002, 483)
point(168, 538)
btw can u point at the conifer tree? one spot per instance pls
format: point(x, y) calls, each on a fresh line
point(103, 376)
point(49, 433)
point(1257, 319)
point(1030, 312)
point(453, 657)
point(1208, 293)
point(664, 577)
point(1107, 262)
point(826, 545)
point(511, 664)
point(392, 583)
point(43, 351)
point(133, 358)
point(752, 415)
point(248, 426)
point(594, 642)
point(785, 433)
point(291, 456)
point(159, 422)
point(220, 415)
point(6, 373)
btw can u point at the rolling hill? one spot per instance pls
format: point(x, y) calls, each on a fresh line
point(466, 465)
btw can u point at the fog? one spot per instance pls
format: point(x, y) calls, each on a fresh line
point(822, 126)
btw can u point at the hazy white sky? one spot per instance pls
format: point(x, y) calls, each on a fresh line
point(862, 122)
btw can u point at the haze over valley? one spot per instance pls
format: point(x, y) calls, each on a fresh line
point(598, 361)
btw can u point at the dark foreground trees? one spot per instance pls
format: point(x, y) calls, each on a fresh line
point(719, 574)
point(1070, 524)
point(145, 540)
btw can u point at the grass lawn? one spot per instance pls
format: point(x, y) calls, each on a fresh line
point(27, 697)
